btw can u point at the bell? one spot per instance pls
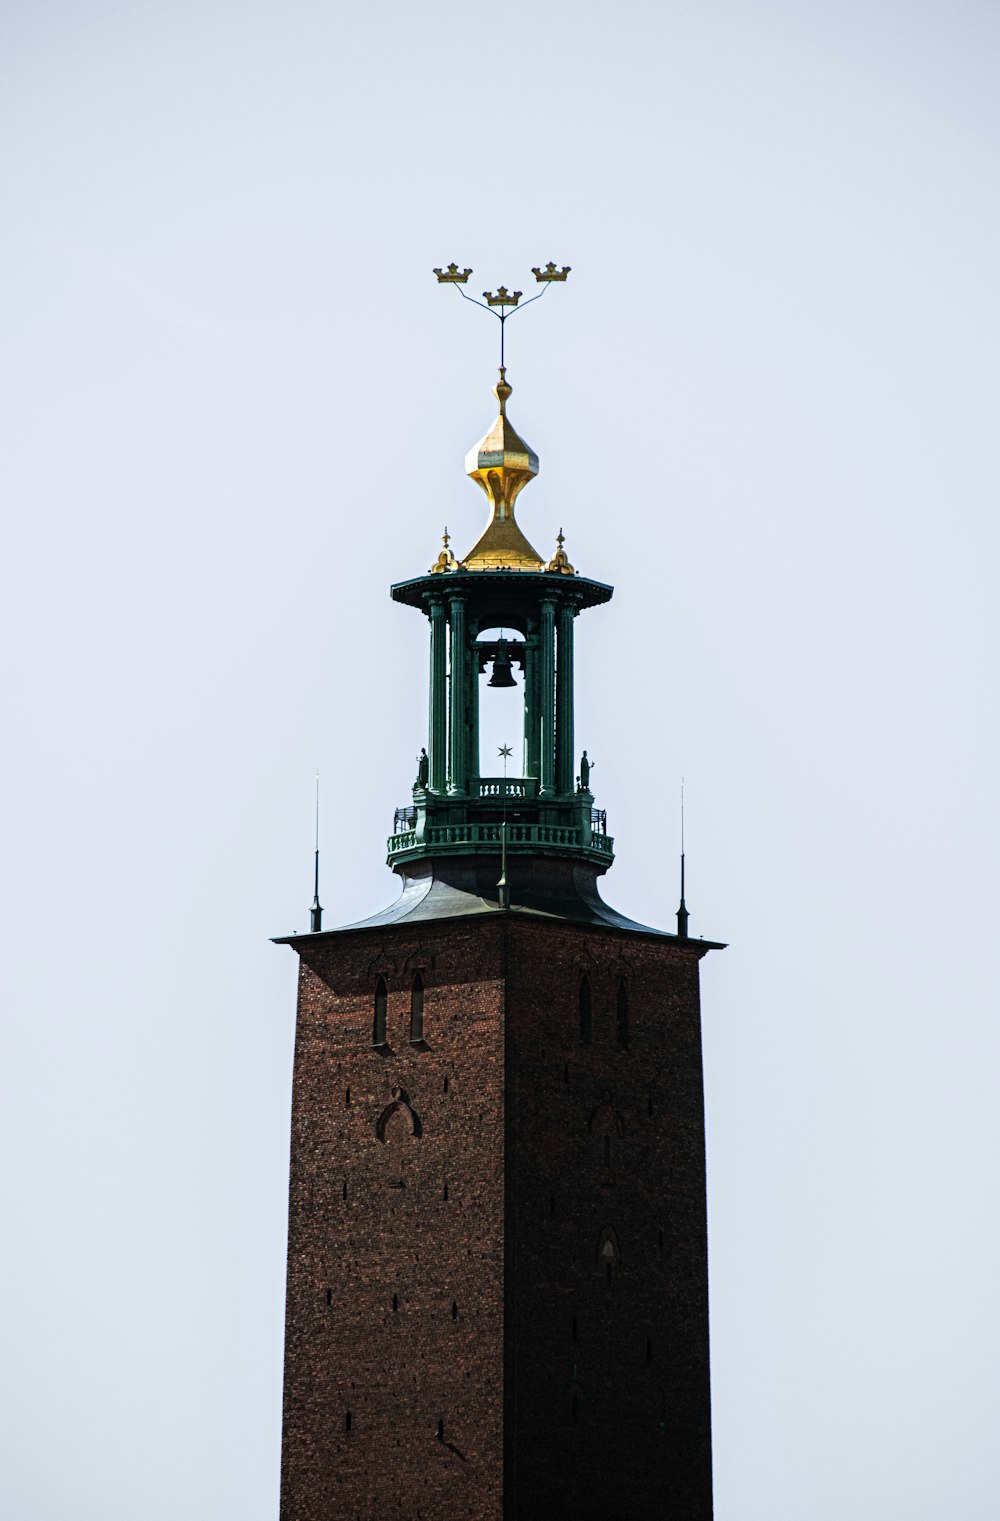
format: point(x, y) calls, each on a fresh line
point(502, 676)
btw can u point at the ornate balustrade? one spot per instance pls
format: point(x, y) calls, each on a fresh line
point(456, 837)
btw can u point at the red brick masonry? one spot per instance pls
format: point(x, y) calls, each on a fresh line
point(497, 1275)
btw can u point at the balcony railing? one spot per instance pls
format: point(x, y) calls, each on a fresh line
point(458, 836)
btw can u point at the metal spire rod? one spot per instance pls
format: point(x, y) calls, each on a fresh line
point(316, 912)
point(682, 913)
point(503, 887)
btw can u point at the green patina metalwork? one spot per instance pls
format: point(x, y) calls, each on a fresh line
point(458, 812)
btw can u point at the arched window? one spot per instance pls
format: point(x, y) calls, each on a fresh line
point(417, 1009)
point(609, 1256)
point(622, 1008)
point(378, 1022)
point(586, 1011)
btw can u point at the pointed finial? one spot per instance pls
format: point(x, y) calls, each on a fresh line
point(316, 912)
point(682, 913)
point(560, 560)
point(445, 560)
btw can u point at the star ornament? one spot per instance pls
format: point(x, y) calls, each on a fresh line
point(505, 751)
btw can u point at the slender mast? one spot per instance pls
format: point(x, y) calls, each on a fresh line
point(682, 913)
point(316, 912)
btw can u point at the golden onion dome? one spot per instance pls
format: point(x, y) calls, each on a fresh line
point(502, 463)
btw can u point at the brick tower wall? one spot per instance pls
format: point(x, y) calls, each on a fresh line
point(607, 1256)
point(378, 1136)
point(489, 1178)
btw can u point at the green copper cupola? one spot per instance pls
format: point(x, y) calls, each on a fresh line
point(547, 810)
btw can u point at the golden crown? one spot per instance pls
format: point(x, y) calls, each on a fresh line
point(503, 297)
point(550, 273)
point(452, 275)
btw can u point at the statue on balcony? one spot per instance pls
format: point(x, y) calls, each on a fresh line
point(423, 768)
point(586, 767)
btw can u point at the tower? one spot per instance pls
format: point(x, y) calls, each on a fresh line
point(497, 1272)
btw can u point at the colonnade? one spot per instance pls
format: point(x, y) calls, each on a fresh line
point(453, 728)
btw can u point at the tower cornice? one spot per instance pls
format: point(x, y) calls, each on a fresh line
point(503, 584)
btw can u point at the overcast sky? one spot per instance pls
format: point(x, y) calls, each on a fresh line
point(235, 408)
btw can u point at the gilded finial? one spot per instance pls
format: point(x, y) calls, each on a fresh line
point(452, 275)
point(445, 560)
point(549, 273)
point(503, 297)
point(502, 464)
point(560, 560)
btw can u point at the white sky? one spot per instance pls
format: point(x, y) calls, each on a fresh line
point(235, 407)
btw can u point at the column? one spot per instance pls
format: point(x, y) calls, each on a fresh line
point(546, 699)
point(531, 757)
point(564, 700)
point(456, 759)
point(472, 714)
point(438, 728)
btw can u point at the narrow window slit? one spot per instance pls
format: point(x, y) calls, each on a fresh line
point(395, 1302)
point(622, 1013)
point(417, 1009)
point(454, 1310)
point(440, 1431)
point(329, 1296)
point(347, 1420)
point(586, 1011)
point(379, 1016)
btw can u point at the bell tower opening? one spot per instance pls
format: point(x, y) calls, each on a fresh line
point(501, 659)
